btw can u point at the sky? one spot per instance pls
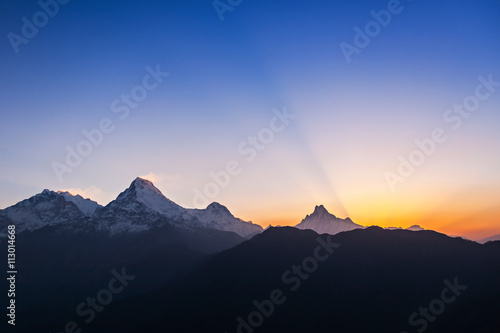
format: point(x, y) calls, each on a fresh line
point(386, 112)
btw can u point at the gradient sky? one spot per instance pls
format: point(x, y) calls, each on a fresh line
point(352, 120)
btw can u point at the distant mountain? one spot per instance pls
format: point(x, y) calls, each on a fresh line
point(415, 228)
point(490, 239)
point(323, 222)
point(47, 208)
point(217, 216)
point(87, 206)
point(412, 228)
point(141, 207)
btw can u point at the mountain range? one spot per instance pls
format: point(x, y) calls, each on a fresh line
point(204, 270)
point(142, 207)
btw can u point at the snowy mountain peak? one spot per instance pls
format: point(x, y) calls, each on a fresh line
point(87, 206)
point(140, 207)
point(415, 228)
point(142, 191)
point(323, 222)
point(47, 208)
point(219, 217)
point(44, 195)
point(140, 187)
point(218, 208)
point(144, 184)
point(321, 210)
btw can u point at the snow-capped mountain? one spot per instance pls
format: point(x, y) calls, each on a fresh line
point(143, 206)
point(142, 192)
point(323, 222)
point(217, 216)
point(47, 208)
point(87, 206)
point(415, 228)
point(140, 207)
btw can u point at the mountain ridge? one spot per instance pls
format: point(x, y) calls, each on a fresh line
point(138, 208)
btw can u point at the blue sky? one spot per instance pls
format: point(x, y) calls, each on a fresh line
point(352, 121)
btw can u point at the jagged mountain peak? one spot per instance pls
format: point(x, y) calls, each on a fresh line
point(217, 207)
point(143, 183)
point(142, 196)
point(140, 186)
point(322, 222)
point(140, 207)
point(218, 216)
point(87, 206)
point(47, 208)
point(321, 210)
point(415, 227)
point(44, 195)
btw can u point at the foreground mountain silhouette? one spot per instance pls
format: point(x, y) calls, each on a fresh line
point(373, 281)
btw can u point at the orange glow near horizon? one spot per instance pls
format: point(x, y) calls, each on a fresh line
point(452, 226)
point(474, 215)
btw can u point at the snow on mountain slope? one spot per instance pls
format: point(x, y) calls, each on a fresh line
point(143, 191)
point(142, 206)
point(87, 206)
point(139, 208)
point(47, 208)
point(217, 216)
point(323, 222)
point(415, 228)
